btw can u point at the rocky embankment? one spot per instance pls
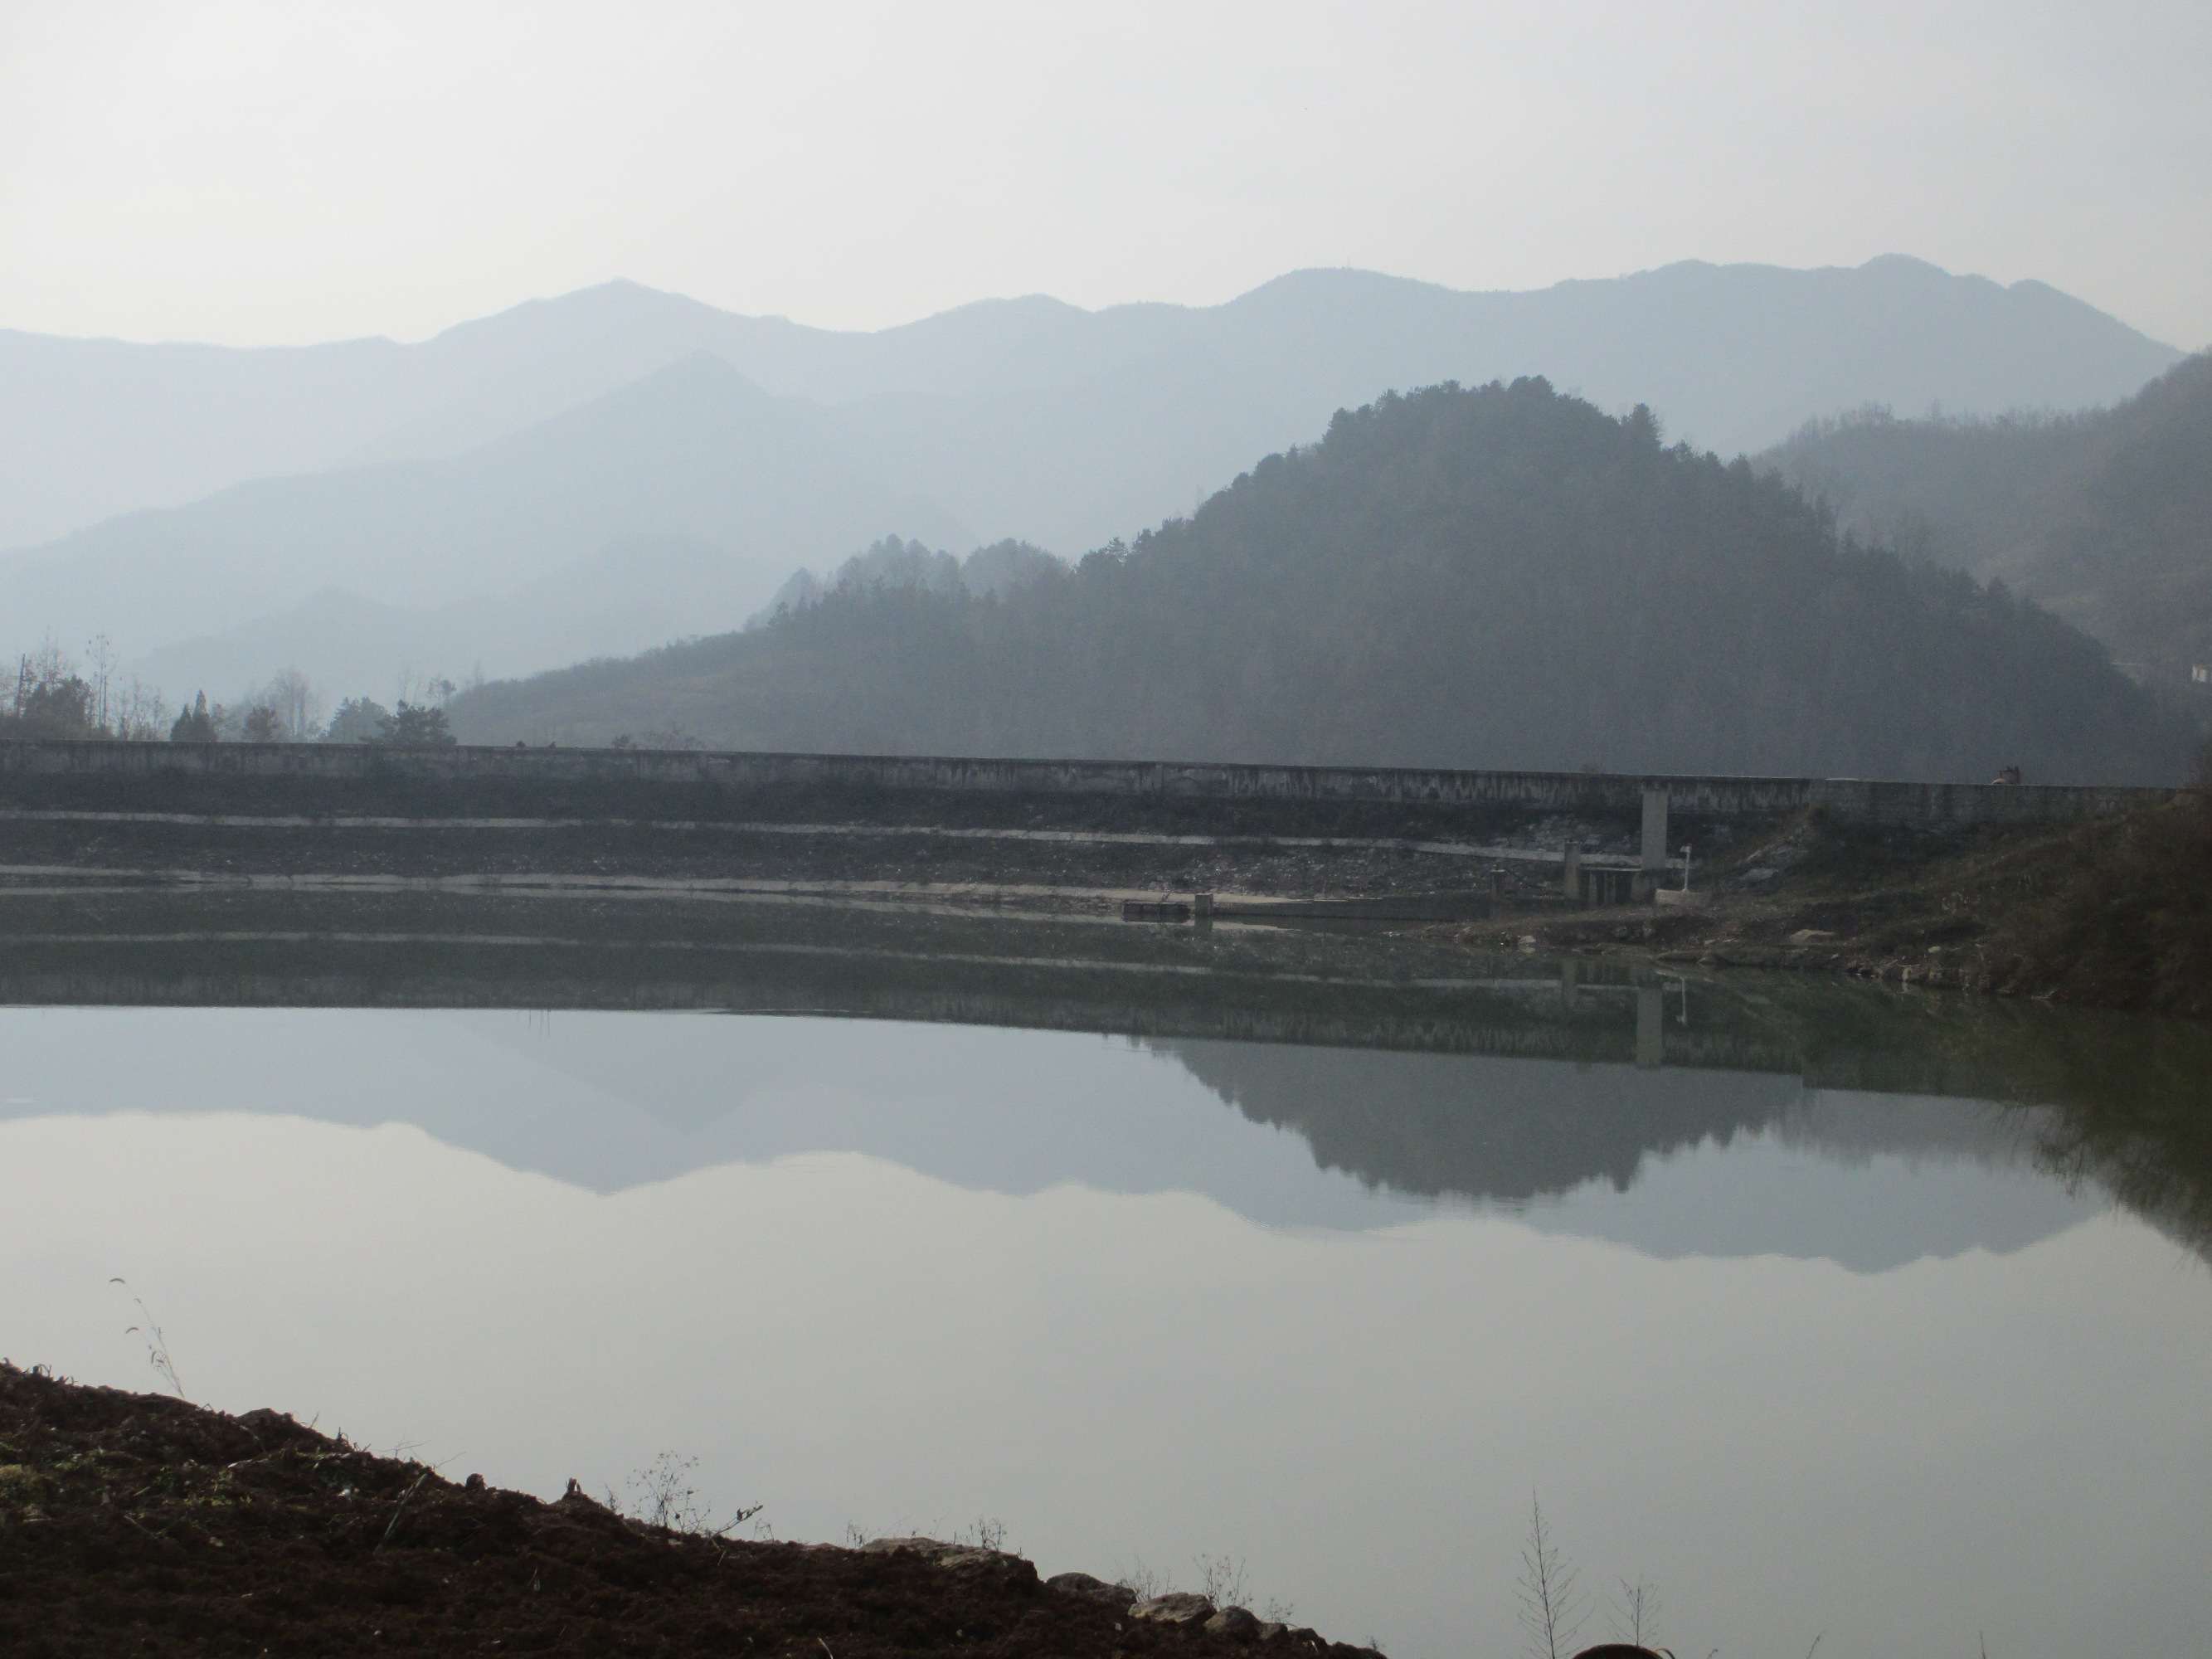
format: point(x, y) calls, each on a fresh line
point(1043, 851)
point(136, 1523)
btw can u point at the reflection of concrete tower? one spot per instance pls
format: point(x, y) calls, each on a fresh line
point(1650, 1018)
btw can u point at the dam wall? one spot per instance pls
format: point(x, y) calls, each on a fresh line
point(1848, 799)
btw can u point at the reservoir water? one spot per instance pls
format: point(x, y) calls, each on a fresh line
point(1887, 1322)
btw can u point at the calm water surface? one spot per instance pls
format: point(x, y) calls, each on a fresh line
point(1816, 1360)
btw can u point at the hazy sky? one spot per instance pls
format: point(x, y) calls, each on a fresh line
point(257, 172)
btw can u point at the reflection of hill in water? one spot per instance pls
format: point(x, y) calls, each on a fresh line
point(1780, 1117)
point(1507, 1131)
point(1481, 1127)
point(1673, 1161)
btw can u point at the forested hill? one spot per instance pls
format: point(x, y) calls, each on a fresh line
point(2104, 517)
point(1498, 577)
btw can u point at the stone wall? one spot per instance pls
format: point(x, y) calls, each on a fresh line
point(1849, 799)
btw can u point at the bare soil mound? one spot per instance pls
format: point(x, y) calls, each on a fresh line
point(133, 1523)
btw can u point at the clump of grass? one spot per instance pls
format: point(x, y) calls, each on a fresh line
point(1222, 1580)
point(20, 1485)
point(157, 1344)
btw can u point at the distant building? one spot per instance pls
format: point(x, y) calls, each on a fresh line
point(2201, 673)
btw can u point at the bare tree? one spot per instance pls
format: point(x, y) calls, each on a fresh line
point(297, 703)
point(142, 711)
point(1636, 1612)
point(1553, 1605)
point(430, 690)
point(99, 665)
point(51, 662)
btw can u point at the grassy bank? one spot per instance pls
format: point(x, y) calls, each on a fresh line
point(2115, 913)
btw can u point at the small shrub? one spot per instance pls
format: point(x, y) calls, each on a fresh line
point(985, 1532)
point(1221, 1580)
point(661, 1495)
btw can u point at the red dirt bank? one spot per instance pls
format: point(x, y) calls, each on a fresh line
point(138, 1523)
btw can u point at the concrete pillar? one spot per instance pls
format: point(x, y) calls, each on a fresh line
point(1653, 861)
point(1572, 864)
point(1650, 1022)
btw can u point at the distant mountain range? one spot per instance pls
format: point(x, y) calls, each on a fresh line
point(2104, 517)
point(475, 493)
point(614, 526)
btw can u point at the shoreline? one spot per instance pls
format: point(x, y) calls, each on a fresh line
point(127, 1517)
point(2113, 913)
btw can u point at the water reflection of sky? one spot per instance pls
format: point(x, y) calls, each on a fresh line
point(1847, 1366)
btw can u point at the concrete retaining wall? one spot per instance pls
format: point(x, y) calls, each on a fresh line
point(1850, 799)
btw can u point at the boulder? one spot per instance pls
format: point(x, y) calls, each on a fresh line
point(957, 1557)
point(919, 1546)
point(1179, 1607)
point(1120, 1597)
point(1237, 1624)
